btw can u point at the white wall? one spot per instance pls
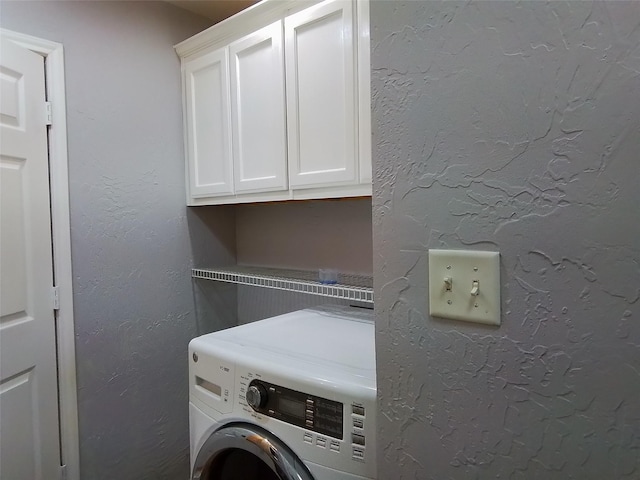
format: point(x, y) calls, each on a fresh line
point(509, 126)
point(131, 246)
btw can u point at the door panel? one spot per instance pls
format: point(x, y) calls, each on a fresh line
point(29, 433)
point(321, 95)
point(208, 125)
point(19, 454)
point(258, 111)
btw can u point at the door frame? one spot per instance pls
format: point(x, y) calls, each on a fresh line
point(53, 54)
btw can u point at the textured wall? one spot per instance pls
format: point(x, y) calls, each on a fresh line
point(307, 235)
point(513, 127)
point(131, 251)
point(213, 243)
point(256, 303)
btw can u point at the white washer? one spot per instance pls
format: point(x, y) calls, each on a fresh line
point(289, 397)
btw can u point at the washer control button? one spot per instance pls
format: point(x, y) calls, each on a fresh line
point(358, 453)
point(357, 409)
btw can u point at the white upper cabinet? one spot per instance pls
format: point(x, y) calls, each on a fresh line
point(277, 104)
point(258, 111)
point(321, 103)
point(208, 131)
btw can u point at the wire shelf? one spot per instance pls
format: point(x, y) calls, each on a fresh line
point(358, 288)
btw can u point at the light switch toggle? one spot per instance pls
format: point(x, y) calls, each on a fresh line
point(468, 270)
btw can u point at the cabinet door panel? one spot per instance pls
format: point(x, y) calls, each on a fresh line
point(258, 111)
point(363, 50)
point(321, 96)
point(207, 118)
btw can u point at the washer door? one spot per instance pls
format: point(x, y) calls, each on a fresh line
point(241, 451)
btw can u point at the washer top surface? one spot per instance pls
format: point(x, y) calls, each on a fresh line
point(328, 336)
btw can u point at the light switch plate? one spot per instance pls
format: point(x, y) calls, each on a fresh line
point(453, 274)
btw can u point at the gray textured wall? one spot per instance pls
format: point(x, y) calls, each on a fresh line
point(513, 127)
point(307, 235)
point(131, 248)
point(256, 303)
point(304, 235)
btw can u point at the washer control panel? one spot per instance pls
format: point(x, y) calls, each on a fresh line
point(298, 408)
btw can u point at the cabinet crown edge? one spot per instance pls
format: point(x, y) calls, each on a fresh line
point(236, 26)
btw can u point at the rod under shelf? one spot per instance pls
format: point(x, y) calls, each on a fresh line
point(357, 288)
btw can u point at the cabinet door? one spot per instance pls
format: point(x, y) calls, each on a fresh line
point(364, 92)
point(258, 111)
point(321, 123)
point(208, 125)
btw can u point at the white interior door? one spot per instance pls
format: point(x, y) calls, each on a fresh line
point(29, 431)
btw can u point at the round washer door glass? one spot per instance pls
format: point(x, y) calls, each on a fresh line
point(236, 464)
point(246, 452)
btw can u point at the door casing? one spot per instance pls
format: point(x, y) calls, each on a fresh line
point(61, 236)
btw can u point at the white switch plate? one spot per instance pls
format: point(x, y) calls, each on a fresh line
point(454, 299)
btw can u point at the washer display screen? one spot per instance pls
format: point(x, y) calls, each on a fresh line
point(291, 407)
